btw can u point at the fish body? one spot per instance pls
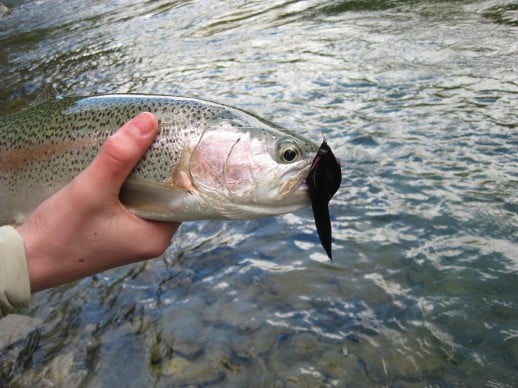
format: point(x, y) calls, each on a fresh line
point(208, 161)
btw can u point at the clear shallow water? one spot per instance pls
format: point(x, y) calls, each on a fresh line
point(419, 101)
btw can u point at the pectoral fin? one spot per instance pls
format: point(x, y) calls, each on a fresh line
point(157, 202)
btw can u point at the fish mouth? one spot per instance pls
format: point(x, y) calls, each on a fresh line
point(323, 181)
point(296, 182)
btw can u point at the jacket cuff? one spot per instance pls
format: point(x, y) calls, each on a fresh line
point(15, 289)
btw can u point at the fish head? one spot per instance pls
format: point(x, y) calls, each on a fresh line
point(251, 171)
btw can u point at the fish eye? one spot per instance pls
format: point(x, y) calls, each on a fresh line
point(289, 152)
point(289, 155)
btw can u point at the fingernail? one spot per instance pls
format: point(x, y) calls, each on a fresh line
point(136, 131)
point(142, 125)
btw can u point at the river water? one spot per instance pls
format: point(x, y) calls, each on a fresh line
point(419, 101)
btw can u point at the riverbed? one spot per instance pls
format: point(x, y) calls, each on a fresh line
point(419, 101)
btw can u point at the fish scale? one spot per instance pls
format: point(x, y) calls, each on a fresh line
point(73, 119)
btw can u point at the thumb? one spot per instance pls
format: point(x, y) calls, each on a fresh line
point(122, 151)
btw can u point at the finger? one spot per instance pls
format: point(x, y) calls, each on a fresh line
point(122, 151)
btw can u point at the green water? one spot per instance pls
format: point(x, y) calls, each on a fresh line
point(419, 101)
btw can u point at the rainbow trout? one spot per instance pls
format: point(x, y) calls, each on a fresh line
point(209, 161)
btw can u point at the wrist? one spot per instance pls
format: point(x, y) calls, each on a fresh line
point(14, 280)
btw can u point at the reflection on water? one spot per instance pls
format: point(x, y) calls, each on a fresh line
point(417, 99)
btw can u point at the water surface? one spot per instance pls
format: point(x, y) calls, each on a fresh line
point(419, 101)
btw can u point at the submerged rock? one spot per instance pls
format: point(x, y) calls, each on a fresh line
point(175, 366)
point(186, 331)
point(4, 10)
point(181, 371)
point(19, 335)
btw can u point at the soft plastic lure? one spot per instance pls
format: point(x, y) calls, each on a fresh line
point(323, 182)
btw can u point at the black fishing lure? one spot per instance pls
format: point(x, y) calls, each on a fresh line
point(323, 180)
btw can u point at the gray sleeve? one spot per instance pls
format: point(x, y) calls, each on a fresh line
point(15, 289)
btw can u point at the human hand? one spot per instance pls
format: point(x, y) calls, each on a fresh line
point(84, 228)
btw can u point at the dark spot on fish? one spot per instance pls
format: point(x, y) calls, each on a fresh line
point(323, 181)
